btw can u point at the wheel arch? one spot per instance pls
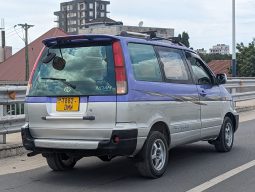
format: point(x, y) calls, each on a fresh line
point(233, 119)
point(163, 128)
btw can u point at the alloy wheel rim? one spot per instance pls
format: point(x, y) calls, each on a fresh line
point(229, 134)
point(158, 154)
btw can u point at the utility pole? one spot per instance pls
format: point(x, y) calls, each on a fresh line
point(234, 63)
point(26, 27)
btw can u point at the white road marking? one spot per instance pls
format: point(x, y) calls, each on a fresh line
point(222, 177)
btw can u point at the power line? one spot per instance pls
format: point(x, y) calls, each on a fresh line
point(26, 27)
point(19, 35)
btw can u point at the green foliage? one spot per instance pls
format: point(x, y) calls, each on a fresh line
point(246, 59)
point(184, 38)
point(215, 56)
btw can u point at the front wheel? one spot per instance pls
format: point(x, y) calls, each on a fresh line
point(225, 140)
point(153, 158)
point(60, 162)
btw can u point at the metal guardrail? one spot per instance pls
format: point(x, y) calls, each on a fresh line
point(242, 89)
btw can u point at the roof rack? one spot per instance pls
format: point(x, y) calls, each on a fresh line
point(151, 35)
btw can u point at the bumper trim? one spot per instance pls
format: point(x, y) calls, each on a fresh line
point(66, 144)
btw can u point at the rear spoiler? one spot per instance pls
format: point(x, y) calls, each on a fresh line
point(78, 39)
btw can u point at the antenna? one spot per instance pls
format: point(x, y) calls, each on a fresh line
point(140, 24)
point(2, 24)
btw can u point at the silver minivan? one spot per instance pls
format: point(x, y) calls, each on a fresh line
point(108, 96)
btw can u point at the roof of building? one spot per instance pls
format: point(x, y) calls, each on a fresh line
point(220, 66)
point(13, 69)
point(103, 20)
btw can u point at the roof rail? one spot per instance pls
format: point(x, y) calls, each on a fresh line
point(151, 35)
point(134, 34)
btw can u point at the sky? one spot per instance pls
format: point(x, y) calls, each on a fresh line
point(207, 22)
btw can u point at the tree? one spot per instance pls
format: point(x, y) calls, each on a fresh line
point(246, 59)
point(184, 38)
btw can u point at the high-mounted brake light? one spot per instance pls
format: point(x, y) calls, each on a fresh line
point(120, 73)
point(29, 85)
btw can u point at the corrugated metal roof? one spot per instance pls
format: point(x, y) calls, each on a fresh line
point(13, 69)
point(220, 66)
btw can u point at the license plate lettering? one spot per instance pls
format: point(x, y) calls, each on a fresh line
point(68, 104)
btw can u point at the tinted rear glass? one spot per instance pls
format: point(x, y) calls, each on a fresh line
point(87, 71)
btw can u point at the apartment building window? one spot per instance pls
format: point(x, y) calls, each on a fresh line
point(91, 14)
point(63, 8)
point(71, 15)
point(69, 7)
point(91, 6)
point(102, 14)
point(71, 29)
point(102, 6)
point(82, 21)
point(81, 6)
point(71, 22)
point(82, 14)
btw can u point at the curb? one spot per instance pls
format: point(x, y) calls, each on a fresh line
point(12, 150)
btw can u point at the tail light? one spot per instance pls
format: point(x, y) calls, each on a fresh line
point(29, 85)
point(120, 73)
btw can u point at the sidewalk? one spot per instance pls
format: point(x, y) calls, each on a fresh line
point(14, 145)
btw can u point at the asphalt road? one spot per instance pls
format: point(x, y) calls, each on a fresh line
point(189, 166)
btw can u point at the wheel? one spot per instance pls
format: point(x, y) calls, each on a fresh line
point(225, 140)
point(153, 159)
point(60, 162)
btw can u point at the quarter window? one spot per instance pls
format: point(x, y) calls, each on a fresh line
point(201, 75)
point(174, 65)
point(144, 63)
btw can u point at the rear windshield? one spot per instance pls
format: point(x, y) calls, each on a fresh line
point(84, 70)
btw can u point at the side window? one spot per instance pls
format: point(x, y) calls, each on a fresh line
point(201, 75)
point(144, 62)
point(174, 64)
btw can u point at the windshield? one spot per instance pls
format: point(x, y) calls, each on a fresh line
point(86, 71)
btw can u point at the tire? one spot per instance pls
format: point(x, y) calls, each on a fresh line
point(153, 159)
point(60, 162)
point(225, 140)
point(105, 158)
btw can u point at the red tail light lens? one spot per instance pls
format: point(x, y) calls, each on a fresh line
point(121, 78)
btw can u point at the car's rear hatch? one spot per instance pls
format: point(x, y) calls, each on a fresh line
point(73, 96)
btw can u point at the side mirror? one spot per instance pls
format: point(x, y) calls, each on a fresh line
point(222, 78)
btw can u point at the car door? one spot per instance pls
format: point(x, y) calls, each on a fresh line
point(209, 96)
point(184, 112)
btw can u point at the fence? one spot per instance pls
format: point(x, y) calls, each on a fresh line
point(12, 99)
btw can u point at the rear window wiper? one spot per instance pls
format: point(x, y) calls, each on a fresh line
point(61, 80)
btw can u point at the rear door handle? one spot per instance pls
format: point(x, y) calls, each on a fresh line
point(86, 118)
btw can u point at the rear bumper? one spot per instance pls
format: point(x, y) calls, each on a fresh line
point(126, 145)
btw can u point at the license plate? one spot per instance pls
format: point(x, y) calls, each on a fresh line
point(68, 104)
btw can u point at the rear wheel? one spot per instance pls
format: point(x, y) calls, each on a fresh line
point(153, 159)
point(60, 162)
point(225, 140)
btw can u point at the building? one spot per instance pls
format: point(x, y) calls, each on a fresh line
point(116, 29)
point(13, 69)
point(201, 51)
point(73, 15)
point(220, 66)
point(5, 53)
point(220, 49)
